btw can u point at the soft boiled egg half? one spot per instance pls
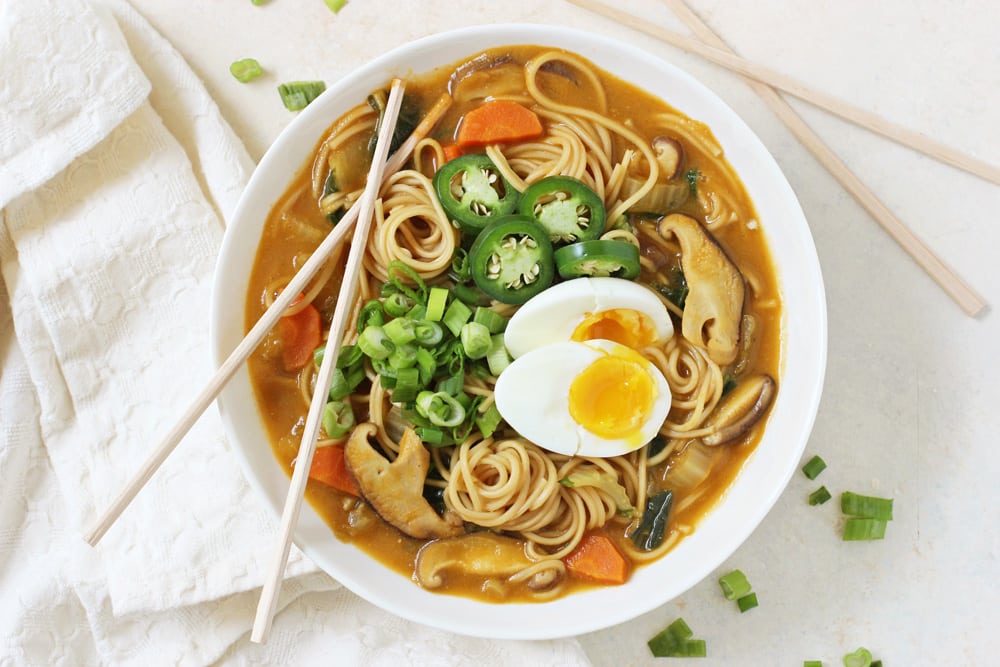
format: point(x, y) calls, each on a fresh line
point(587, 308)
point(577, 385)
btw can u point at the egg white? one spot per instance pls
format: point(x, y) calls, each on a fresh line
point(554, 314)
point(532, 395)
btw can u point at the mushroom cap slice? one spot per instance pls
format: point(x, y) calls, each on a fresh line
point(395, 490)
point(740, 409)
point(714, 305)
point(482, 554)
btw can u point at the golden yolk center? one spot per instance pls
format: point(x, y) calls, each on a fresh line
point(612, 397)
point(622, 325)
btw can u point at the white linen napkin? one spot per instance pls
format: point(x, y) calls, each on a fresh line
point(116, 174)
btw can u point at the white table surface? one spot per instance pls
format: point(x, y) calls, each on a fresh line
point(912, 394)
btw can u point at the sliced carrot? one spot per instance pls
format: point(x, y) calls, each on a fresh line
point(499, 121)
point(597, 558)
point(451, 151)
point(329, 468)
point(300, 334)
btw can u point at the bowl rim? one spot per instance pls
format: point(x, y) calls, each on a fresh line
point(743, 506)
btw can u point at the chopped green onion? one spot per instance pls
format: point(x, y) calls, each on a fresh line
point(400, 330)
point(455, 317)
point(734, 585)
point(344, 384)
point(876, 663)
point(814, 467)
point(860, 658)
point(436, 302)
point(335, 5)
point(419, 292)
point(246, 70)
point(453, 385)
point(404, 356)
point(812, 663)
point(856, 529)
point(374, 342)
point(338, 419)
point(868, 507)
point(476, 340)
point(257, 2)
point(466, 294)
point(407, 385)
point(461, 268)
point(747, 602)
point(819, 496)
point(371, 314)
point(426, 365)
point(397, 304)
point(498, 358)
point(297, 95)
point(431, 436)
point(676, 642)
point(427, 334)
point(350, 355)
point(488, 421)
point(692, 181)
point(492, 320)
point(441, 408)
point(418, 312)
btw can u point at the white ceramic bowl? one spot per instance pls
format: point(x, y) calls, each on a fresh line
point(757, 486)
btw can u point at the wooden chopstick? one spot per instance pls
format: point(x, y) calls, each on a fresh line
point(254, 337)
point(829, 103)
point(967, 299)
point(345, 299)
point(963, 295)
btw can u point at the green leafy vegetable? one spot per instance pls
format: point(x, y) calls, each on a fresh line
point(604, 481)
point(676, 291)
point(649, 533)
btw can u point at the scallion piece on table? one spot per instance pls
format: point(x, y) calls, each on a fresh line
point(734, 585)
point(868, 507)
point(246, 70)
point(814, 467)
point(296, 95)
point(676, 641)
point(812, 663)
point(860, 658)
point(857, 529)
point(819, 496)
point(335, 5)
point(747, 602)
point(876, 663)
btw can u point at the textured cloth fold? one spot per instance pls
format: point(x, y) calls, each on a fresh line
point(117, 172)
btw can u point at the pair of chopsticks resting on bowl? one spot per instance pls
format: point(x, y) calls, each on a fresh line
point(765, 81)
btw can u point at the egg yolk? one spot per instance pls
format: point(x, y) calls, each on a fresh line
point(613, 397)
point(622, 325)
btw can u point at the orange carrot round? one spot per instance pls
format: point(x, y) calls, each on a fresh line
point(499, 121)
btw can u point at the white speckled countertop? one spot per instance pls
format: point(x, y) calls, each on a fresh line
point(910, 406)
